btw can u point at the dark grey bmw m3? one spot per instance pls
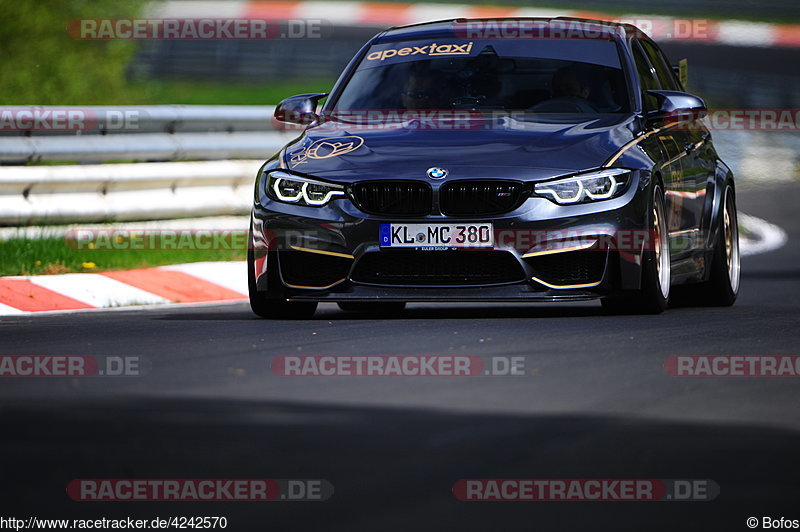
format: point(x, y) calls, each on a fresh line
point(452, 162)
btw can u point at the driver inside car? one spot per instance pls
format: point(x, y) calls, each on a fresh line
point(570, 95)
point(421, 91)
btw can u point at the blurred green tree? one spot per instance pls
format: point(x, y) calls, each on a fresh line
point(42, 64)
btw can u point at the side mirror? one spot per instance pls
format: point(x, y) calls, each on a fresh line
point(674, 106)
point(300, 109)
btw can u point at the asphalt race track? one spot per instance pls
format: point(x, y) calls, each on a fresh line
point(595, 402)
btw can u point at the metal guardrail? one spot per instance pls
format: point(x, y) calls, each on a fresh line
point(144, 147)
point(122, 192)
point(160, 118)
point(212, 137)
point(138, 133)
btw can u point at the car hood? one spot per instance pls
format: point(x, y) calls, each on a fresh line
point(505, 148)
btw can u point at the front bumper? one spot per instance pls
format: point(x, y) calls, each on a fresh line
point(542, 252)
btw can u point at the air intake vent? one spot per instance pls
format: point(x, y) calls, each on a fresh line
point(407, 267)
point(572, 267)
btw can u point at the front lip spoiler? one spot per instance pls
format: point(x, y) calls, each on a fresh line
point(521, 292)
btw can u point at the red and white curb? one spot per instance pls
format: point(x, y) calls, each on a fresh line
point(384, 14)
point(197, 282)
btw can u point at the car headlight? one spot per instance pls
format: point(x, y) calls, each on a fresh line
point(592, 186)
point(289, 188)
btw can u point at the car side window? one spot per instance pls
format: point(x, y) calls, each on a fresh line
point(647, 78)
point(663, 70)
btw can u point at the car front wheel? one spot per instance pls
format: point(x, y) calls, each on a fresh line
point(653, 295)
point(266, 305)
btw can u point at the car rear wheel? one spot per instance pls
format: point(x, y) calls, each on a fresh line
point(653, 295)
point(381, 308)
point(266, 305)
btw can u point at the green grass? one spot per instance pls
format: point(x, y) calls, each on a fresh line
point(186, 93)
point(51, 255)
point(197, 93)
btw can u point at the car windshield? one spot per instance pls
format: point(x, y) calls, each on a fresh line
point(565, 76)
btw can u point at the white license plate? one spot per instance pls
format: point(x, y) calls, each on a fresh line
point(437, 235)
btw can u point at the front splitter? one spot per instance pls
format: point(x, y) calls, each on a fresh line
point(517, 293)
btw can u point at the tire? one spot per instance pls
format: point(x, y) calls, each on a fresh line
point(653, 296)
point(722, 286)
point(388, 308)
point(268, 306)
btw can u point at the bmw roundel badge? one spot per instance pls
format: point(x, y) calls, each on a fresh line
point(437, 173)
